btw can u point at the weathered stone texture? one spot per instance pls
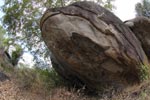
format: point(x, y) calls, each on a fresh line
point(92, 45)
point(141, 28)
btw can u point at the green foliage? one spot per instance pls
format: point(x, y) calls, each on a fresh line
point(143, 95)
point(16, 55)
point(50, 77)
point(38, 78)
point(143, 9)
point(108, 4)
point(2, 32)
point(144, 72)
point(6, 67)
point(21, 21)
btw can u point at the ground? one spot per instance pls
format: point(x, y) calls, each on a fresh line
point(11, 90)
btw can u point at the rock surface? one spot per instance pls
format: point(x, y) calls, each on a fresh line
point(141, 28)
point(92, 45)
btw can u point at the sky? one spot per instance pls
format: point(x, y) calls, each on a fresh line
point(125, 10)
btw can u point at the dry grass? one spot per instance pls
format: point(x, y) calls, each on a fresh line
point(38, 84)
point(50, 86)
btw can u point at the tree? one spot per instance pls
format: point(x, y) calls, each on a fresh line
point(2, 32)
point(21, 21)
point(143, 9)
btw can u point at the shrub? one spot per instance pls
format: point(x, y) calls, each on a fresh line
point(144, 72)
point(38, 78)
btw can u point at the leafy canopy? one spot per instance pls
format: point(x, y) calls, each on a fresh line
point(2, 32)
point(143, 8)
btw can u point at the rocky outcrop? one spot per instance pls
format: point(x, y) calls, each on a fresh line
point(91, 45)
point(140, 27)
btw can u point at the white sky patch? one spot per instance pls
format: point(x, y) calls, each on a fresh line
point(125, 9)
point(27, 59)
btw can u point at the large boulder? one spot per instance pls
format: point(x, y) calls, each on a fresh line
point(141, 28)
point(91, 45)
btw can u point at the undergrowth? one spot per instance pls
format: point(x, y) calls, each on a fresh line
point(49, 83)
point(144, 72)
point(37, 78)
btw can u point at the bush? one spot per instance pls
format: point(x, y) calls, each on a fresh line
point(37, 78)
